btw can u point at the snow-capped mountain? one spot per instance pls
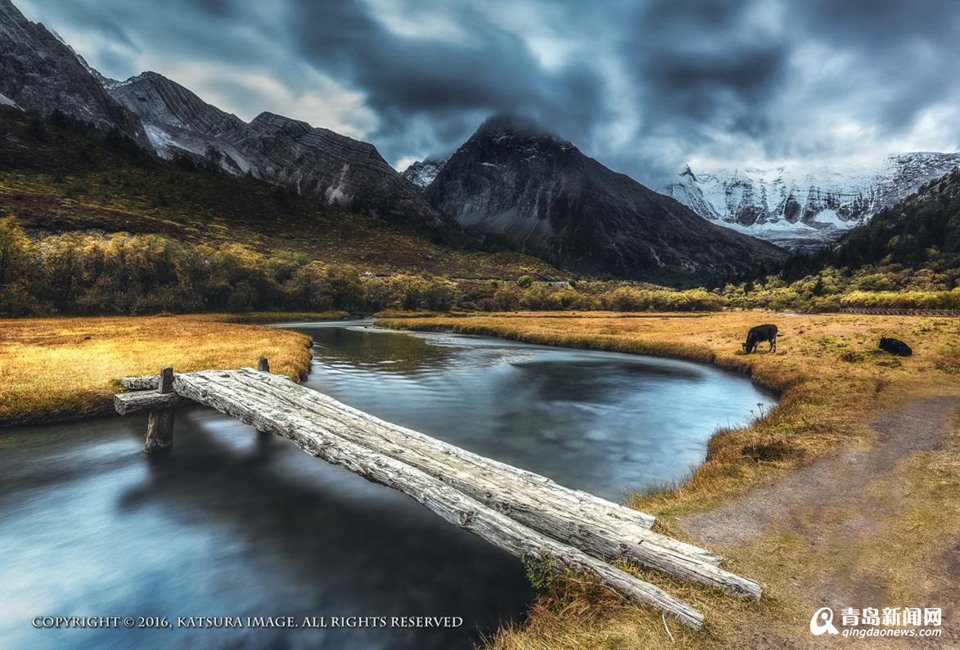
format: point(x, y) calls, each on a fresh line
point(423, 172)
point(518, 184)
point(805, 206)
point(312, 161)
point(919, 232)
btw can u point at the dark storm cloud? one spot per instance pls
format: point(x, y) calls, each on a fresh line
point(412, 78)
point(643, 86)
point(876, 23)
point(904, 47)
point(702, 66)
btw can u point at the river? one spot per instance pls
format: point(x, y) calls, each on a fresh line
point(237, 524)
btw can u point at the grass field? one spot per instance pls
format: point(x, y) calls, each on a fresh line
point(65, 368)
point(58, 179)
point(833, 383)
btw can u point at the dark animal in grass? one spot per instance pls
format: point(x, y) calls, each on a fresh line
point(758, 335)
point(895, 346)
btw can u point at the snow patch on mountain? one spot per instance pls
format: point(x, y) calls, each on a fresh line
point(6, 101)
point(160, 140)
point(804, 205)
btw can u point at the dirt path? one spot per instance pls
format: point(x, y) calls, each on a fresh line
point(831, 482)
point(832, 506)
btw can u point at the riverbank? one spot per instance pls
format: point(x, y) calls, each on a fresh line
point(57, 369)
point(833, 385)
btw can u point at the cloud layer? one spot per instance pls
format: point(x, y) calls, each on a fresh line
point(644, 87)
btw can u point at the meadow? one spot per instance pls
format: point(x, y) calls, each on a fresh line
point(833, 384)
point(65, 368)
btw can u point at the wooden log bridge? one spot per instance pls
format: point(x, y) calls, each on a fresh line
point(521, 512)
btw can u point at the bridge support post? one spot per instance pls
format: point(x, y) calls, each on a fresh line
point(160, 422)
point(263, 437)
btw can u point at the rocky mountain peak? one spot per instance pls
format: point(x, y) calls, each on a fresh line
point(514, 182)
point(148, 77)
point(423, 172)
point(311, 161)
point(508, 135)
point(14, 24)
point(268, 121)
point(39, 72)
point(156, 98)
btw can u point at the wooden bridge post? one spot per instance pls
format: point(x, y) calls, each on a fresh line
point(263, 437)
point(160, 421)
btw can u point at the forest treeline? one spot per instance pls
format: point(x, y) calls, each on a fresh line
point(85, 274)
point(89, 274)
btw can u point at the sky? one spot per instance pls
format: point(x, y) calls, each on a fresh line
point(644, 86)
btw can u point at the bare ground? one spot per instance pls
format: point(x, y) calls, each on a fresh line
point(835, 506)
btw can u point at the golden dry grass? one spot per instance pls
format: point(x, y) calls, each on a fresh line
point(832, 383)
point(62, 368)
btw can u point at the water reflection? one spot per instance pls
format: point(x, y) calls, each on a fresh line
point(603, 422)
point(368, 349)
point(234, 523)
point(231, 523)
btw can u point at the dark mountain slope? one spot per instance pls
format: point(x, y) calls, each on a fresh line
point(39, 72)
point(541, 194)
point(57, 178)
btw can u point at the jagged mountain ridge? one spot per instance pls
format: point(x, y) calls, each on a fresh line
point(806, 206)
point(538, 192)
point(38, 71)
point(178, 121)
point(313, 161)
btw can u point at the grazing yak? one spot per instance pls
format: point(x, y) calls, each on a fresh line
point(895, 346)
point(758, 335)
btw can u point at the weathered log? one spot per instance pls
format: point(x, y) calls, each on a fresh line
point(577, 505)
point(588, 509)
point(150, 382)
point(160, 421)
point(127, 403)
point(576, 499)
point(449, 503)
point(540, 511)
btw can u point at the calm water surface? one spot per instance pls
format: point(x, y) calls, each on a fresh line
point(234, 523)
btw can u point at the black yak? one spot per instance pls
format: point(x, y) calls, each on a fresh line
point(895, 346)
point(758, 335)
